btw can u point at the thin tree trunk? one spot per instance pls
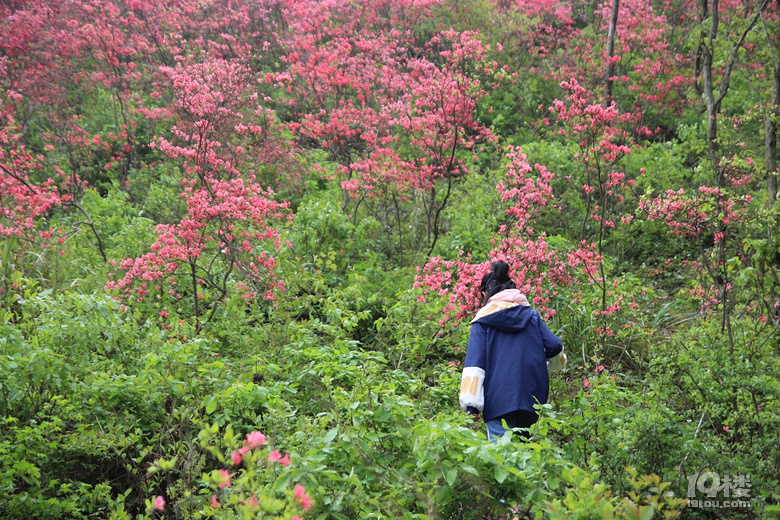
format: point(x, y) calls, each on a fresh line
point(712, 101)
point(703, 10)
point(611, 53)
point(770, 141)
point(770, 127)
point(194, 279)
point(770, 154)
point(709, 95)
point(438, 214)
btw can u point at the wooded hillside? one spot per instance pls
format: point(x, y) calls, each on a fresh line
point(241, 243)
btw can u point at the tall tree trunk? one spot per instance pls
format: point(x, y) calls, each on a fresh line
point(611, 53)
point(770, 126)
point(703, 10)
point(770, 157)
point(713, 99)
point(770, 139)
point(709, 91)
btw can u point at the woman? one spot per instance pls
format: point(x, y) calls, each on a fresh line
point(510, 348)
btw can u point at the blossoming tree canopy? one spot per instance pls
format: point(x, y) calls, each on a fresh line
point(221, 134)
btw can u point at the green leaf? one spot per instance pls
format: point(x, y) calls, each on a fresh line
point(211, 405)
point(500, 474)
point(451, 475)
point(441, 493)
point(330, 435)
point(470, 469)
point(283, 481)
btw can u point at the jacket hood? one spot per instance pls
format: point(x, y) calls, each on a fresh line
point(511, 320)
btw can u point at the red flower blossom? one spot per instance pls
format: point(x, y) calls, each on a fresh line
point(303, 499)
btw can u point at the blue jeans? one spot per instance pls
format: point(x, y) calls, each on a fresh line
point(518, 419)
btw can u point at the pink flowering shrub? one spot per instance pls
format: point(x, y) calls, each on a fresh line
point(249, 480)
point(221, 134)
point(33, 187)
point(710, 218)
point(599, 139)
point(398, 122)
point(22, 201)
point(536, 268)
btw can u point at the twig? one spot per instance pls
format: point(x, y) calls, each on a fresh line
point(695, 434)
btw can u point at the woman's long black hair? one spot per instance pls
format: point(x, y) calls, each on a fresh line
point(496, 280)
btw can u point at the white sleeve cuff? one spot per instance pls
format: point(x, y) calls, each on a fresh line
point(472, 391)
point(557, 362)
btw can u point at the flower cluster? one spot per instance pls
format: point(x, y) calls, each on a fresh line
point(538, 270)
point(390, 119)
point(247, 487)
point(222, 242)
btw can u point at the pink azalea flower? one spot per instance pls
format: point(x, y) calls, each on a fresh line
point(302, 498)
point(253, 502)
point(214, 502)
point(159, 503)
point(274, 456)
point(285, 461)
point(600, 368)
point(225, 482)
point(726, 429)
point(255, 439)
point(586, 383)
point(236, 457)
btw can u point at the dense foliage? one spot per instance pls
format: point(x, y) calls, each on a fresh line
point(239, 243)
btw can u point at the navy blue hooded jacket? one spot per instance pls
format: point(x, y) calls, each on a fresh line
point(512, 347)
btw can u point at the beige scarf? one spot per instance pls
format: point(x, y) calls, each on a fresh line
point(506, 299)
